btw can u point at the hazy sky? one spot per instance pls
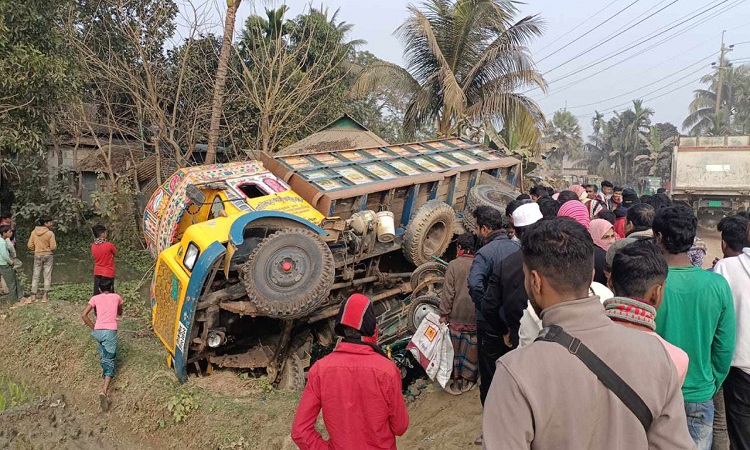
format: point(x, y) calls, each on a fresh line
point(663, 69)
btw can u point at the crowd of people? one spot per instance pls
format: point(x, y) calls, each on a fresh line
point(587, 320)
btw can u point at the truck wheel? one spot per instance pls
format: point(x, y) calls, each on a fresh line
point(428, 278)
point(490, 195)
point(418, 310)
point(289, 274)
point(429, 232)
point(468, 221)
point(293, 375)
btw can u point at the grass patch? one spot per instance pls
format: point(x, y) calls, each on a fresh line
point(48, 346)
point(14, 394)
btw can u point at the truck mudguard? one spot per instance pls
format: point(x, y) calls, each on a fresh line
point(201, 271)
point(238, 227)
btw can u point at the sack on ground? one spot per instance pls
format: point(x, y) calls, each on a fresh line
point(431, 346)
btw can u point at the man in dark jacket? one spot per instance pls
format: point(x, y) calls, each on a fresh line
point(497, 246)
point(506, 298)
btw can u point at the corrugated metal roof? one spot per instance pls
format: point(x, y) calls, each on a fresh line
point(341, 134)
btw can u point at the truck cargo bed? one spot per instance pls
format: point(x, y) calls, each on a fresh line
point(398, 178)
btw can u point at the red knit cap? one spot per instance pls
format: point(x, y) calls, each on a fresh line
point(576, 211)
point(357, 312)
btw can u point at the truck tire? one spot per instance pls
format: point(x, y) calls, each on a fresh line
point(434, 269)
point(486, 195)
point(429, 232)
point(419, 308)
point(492, 196)
point(468, 221)
point(289, 274)
point(293, 375)
point(433, 273)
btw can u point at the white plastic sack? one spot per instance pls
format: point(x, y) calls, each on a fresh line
point(431, 346)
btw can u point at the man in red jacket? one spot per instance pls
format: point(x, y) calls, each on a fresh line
point(104, 253)
point(357, 387)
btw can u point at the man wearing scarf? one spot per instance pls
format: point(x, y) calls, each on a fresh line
point(357, 387)
point(637, 277)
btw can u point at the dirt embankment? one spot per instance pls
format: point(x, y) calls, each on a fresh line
point(48, 347)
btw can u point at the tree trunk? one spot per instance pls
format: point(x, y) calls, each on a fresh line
point(221, 81)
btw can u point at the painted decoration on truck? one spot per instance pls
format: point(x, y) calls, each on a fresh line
point(426, 164)
point(354, 175)
point(167, 205)
point(328, 185)
point(380, 171)
point(403, 167)
point(464, 157)
point(446, 161)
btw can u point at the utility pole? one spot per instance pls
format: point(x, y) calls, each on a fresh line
point(724, 51)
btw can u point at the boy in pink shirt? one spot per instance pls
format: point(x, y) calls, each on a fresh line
point(639, 273)
point(108, 307)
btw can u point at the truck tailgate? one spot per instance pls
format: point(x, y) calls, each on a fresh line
point(712, 165)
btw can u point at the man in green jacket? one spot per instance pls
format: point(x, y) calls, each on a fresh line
point(697, 315)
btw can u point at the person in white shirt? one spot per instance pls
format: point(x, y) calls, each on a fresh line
point(735, 267)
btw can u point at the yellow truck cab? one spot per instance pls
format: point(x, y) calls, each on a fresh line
point(254, 258)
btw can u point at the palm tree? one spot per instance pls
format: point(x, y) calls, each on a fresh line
point(616, 143)
point(466, 61)
point(598, 122)
point(734, 107)
point(273, 26)
point(659, 151)
point(221, 81)
point(636, 127)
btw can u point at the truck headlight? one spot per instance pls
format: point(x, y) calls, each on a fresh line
point(215, 339)
point(191, 255)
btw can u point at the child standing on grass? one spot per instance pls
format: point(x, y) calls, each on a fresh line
point(108, 307)
point(104, 253)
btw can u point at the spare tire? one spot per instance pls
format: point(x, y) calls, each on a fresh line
point(429, 232)
point(492, 196)
point(419, 308)
point(289, 274)
point(495, 197)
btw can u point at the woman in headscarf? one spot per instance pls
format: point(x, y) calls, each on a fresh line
point(576, 211)
point(603, 234)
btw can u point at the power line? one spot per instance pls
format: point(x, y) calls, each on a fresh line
point(608, 39)
point(590, 31)
point(643, 41)
point(577, 26)
point(638, 43)
point(649, 84)
point(627, 58)
point(644, 99)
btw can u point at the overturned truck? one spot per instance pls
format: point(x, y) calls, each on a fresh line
point(254, 258)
